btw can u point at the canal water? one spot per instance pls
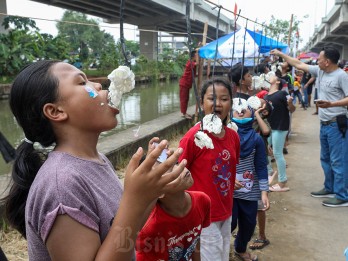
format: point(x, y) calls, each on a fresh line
point(144, 103)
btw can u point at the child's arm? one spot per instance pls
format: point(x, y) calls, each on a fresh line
point(196, 255)
point(265, 200)
point(260, 162)
point(291, 106)
point(264, 128)
point(70, 240)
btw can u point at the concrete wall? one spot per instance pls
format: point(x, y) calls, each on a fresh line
point(5, 91)
point(149, 43)
point(3, 9)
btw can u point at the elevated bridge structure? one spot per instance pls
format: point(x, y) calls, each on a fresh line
point(333, 29)
point(150, 16)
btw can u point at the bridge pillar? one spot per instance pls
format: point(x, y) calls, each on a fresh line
point(3, 10)
point(344, 53)
point(149, 42)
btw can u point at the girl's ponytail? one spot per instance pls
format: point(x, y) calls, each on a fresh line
point(33, 87)
point(26, 165)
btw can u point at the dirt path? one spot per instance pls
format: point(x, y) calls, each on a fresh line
point(298, 226)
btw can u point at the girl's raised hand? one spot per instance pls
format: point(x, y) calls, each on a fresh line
point(259, 110)
point(144, 183)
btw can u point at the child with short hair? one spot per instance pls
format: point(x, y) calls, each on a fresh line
point(241, 77)
point(251, 179)
point(173, 229)
point(297, 93)
point(266, 109)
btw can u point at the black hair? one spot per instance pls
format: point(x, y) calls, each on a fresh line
point(278, 73)
point(260, 68)
point(331, 53)
point(193, 53)
point(33, 87)
point(236, 73)
point(281, 83)
point(217, 81)
point(289, 67)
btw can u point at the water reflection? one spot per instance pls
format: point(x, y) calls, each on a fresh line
point(144, 103)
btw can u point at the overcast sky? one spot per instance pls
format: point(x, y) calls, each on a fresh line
point(252, 9)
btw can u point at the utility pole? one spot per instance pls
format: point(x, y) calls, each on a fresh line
point(290, 31)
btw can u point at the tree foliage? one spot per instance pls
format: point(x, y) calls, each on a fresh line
point(279, 29)
point(83, 34)
point(133, 48)
point(23, 44)
point(110, 54)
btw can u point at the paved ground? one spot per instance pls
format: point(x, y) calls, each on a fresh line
point(298, 226)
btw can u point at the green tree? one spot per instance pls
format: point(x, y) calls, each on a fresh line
point(53, 47)
point(133, 48)
point(17, 47)
point(20, 23)
point(23, 44)
point(82, 33)
point(279, 29)
point(110, 55)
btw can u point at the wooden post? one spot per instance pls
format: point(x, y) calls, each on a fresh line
point(290, 31)
point(200, 66)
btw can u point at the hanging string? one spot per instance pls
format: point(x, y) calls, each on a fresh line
point(217, 39)
point(189, 44)
point(259, 54)
point(254, 51)
point(234, 38)
point(215, 56)
point(122, 40)
point(243, 56)
point(258, 60)
point(236, 16)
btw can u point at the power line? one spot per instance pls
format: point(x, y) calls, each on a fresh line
point(96, 25)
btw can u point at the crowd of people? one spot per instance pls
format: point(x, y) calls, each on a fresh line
point(189, 205)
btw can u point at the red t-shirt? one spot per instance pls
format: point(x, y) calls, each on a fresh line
point(186, 78)
point(262, 94)
point(213, 170)
point(165, 237)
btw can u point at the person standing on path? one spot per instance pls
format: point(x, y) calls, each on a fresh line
point(186, 82)
point(307, 82)
point(279, 120)
point(332, 83)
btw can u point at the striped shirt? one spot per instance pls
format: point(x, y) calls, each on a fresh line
point(252, 173)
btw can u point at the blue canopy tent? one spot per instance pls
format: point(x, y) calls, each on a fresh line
point(254, 43)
